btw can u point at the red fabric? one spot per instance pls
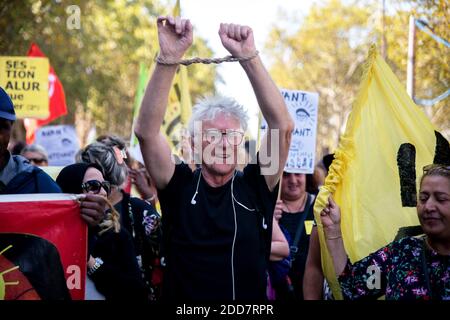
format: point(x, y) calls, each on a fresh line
point(57, 102)
point(57, 221)
point(127, 186)
point(157, 274)
point(30, 126)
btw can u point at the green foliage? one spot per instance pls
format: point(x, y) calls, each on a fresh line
point(324, 53)
point(323, 56)
point(99, 63)
point(432, 60)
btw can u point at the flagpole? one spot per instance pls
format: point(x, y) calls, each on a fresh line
point(411, 58)
point(383, 26)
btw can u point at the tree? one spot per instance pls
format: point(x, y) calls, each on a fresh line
point(325, 52)
point(432, 68)
point(323, 56)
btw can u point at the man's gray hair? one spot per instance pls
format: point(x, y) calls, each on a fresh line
point(208, 108)
point(105, 157)
point(35, 148)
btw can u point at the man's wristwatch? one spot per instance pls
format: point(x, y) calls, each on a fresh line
point(97, 264)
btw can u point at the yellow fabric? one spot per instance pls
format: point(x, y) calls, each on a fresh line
point(364, 177)
point(308, 226)
point(185, 97)
point(177, 9)
point(171, 126)
point(179, 106)
point(181, 83)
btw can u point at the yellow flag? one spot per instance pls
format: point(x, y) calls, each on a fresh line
point(181, 83)
point(185, 97)
point(178, 110)
point(171, 125)
point(177, 9)
point(377, 166)
point(179, 105)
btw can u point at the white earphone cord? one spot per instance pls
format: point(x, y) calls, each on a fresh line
point(193, 201)
point(264, 225)
point(234, 237)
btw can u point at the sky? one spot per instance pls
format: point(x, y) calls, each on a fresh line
point(260, 15)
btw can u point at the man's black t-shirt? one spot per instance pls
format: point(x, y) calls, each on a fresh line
point(207, 246)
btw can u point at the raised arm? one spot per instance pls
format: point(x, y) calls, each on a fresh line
point(175, 37)
point(364, 278)
point(239, 41)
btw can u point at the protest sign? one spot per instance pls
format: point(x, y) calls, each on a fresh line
point(26, 82)
point(303, 108)
point(61, 143)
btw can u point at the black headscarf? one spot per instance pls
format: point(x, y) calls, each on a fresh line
point(71, 177)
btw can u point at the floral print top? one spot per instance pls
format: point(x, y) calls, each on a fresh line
point(396, 271)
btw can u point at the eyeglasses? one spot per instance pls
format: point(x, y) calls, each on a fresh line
point(435, 166)
point(37, 160)
point(233, 137)
point(95, 186)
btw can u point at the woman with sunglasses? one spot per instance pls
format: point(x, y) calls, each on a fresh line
point(412, 268)
point(111, 263)
point(137, 216)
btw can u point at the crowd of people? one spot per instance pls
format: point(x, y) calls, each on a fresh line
point(223, 233)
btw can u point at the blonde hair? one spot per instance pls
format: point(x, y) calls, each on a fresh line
point(112, 220)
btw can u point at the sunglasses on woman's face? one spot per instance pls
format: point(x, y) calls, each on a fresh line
point(95, 186)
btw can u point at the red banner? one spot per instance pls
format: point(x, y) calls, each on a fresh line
point(43, 248)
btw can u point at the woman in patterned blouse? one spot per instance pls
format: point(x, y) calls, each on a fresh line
point(410, 268)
